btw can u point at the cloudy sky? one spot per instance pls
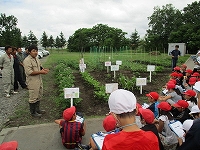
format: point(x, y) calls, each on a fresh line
point(54, 16)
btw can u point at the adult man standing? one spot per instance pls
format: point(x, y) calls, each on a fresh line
point(175, 54)
point(33, 71)
point(6, 64)
point(21, 58)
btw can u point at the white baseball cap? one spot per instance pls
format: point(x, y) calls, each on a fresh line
point(197, 86)
point(194, 109)
point(187, 124)
point(122, 101)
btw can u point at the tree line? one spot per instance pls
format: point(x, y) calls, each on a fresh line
point(167, 24)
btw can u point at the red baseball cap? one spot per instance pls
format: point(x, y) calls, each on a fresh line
point(174, 74)
point(184, 65)
point(172, 81)
point(138, 106)
point(164, 106)
point(147, 114)
point(181, 103)
point(190, 93)
point(189, 71)
point(177, 68)
point(109, 123)
point(196, 74)
point(192, 80)
point(180, 75)
point(171, 85)
point(68, 113)
point(12, 145)
point(153, 95)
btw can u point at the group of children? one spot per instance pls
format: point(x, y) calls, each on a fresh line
point(176, 102)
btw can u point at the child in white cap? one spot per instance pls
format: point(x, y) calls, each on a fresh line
point(122, 104)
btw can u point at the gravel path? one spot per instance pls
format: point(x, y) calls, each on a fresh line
point(8, 105)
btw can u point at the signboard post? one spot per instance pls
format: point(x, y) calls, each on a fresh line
point(110, 87)
point(150, 68)
point(82, 66)
point(140, 82)
point(114, 68)
point(107, 64)
point(71, 93)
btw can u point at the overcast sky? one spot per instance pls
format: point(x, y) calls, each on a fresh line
point(54, 16)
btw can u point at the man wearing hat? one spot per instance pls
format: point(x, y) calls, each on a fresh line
point(122, 104)
point(71, 130)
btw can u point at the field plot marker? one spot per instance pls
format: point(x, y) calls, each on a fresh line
point(107, 64)
point(71, 93)
point(110, 87)
point(114, 68)
point(140, 82)
point(150, 68)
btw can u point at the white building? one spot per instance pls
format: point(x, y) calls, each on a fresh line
point(182, 48)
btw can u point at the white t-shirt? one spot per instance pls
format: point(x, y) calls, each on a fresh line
point(170, 136)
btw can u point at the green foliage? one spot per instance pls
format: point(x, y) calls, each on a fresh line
point(99, 35)
point(64, 79)
point(9, 33)
point(44, 39)
point(99, 90)
point(162, 22)
point(127, 83)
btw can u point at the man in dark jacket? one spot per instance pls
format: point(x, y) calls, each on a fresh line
point(175, 54)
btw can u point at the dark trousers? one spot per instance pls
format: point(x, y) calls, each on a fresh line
point(18, 78)
point(174, 61)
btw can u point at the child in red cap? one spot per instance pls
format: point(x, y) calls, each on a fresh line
point(171, 96)
point(183, 112)
point(122, 105)
point(190, 97)
point(169, 140)
point(147, 119)
point(71, 130)
point(109, 124)
point(11, 145)
point(153, 99)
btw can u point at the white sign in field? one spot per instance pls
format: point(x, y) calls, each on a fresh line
point(118, 62)
point(150, 67)
point(108, 63)
point(110, 87)
point(114, 67)
point(71, 92)
point(141, 81)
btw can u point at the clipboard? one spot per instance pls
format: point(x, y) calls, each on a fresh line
point(177, 128)
point(98, 138)
point(79, 119)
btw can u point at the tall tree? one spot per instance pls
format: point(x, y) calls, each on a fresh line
point(51, 41)
point(189, 31)
point(62, 40)
point(57, 42)
point(44, 40)
point(32, 39)
point(134, 39)
point(162, 22)
point(25, 42)
point(9, 33)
